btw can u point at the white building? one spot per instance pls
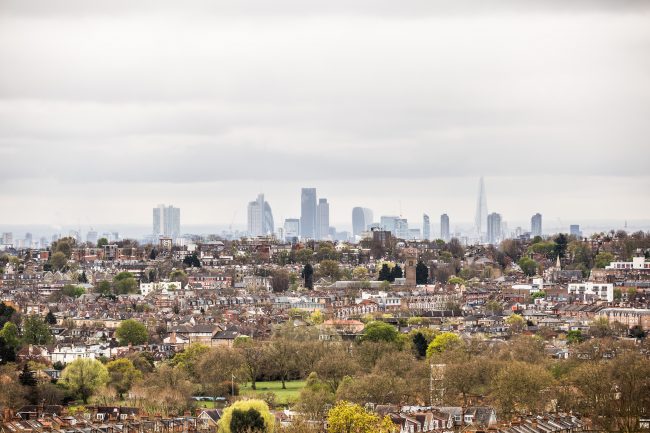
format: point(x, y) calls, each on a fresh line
point(590, 291)
point(68, 354)
point(638, 263)
point(166, 286)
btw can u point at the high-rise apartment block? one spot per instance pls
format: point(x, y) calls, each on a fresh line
point(536, 225)
point(166, 221)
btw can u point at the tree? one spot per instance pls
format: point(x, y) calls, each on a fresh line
point(216, 367)
point(517, 387)
point(304, 255)
point(83, 376)
point(253, 414)
point(456, 280)
point(348, 417)
point(421, 273)
point(10, 334)
point(329, 269)
point(167, 390)
point(58, 260)
point(36, 331)
point(13, 393)
point(125, 283)
point(420, 344)
point(385, 273)
point(192, 261)
point(308, 275)
point(603, 259)
point(331, 369)
point(72, 291)
point(102, 242)
point(254, 357)
point(27, 377)
point(132, 332)
point(528, 266)
point(379, 331)
point(122, 374)
point(442, 342)
point(50, 319)
point(396, 272)
point(315, 397)
point(561, 243)
point(280, 280)
point(573, 337)
point(83, 278)
point(516, 323)
point(493, 307)
point(360, 273)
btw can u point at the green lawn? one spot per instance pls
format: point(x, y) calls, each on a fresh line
point(283, 396)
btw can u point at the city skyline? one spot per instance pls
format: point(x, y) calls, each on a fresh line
point(556, 122)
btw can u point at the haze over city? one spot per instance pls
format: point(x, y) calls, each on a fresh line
point(107, 111)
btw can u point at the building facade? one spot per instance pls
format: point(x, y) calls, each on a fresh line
point(536, 225)
point(166, 221)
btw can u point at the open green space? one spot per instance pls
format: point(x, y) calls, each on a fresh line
point(282, 396)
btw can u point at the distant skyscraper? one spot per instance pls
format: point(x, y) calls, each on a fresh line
point(28, 240)
point(361, 220)
point(291, 229)
point(91, 237)
point(494, 228)
point(8, 238)
point(389, 223)
point(402, 228)
point(426, 227)
point(536, 225)
point(308, 213)
point(444, 227)
point(323, 219)
point(480, 218)
point(260, 217)
point(574, 230)
point(414, 234)
point(166, 221)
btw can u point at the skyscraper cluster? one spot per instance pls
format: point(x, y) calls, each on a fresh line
point(260, 217)
point(314, 216)
point(166, 221)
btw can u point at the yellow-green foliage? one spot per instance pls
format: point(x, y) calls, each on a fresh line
point(244, 405)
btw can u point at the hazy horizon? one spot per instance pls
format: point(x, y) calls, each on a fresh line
point(109, 108)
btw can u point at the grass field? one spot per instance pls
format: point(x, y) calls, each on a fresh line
point(283, 396)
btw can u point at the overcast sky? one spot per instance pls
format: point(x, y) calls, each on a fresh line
point(108, 108)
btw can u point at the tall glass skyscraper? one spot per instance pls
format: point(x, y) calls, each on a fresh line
point(444, 227)
point(480, 219)
point(260, 217)
point(361, 219)
point(322, 219)
point(308, 213)
point(426, 227)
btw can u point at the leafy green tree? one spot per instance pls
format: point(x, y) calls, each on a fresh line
point(84, 376)
point(348, 417)
point(603, 259)
point(308, 275)
point(538, 295)
point(304, 256)
point(72, 291)
point(528, 266)
point(260, 409)
point(280, 280)
point(27, 377)
point(254, 357)
point(132, 332)
point(315, 397)
point(443, 342)
point(360, 273)
point(421, 273)
point(104, 288)
point(36, 331)
point(573, 337)
point(102, 242)
point(517, 387)
point(122, 375)
point(83, 278)
point(379, 331)
point(11, 335)
point(58, 260)
point(456, 280)
point(125, 283)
